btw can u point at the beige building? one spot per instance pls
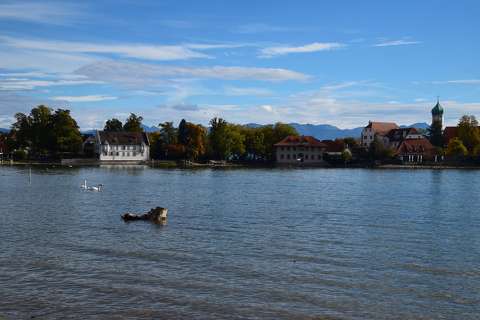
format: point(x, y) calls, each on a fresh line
point(300, 150)
point(373, 129)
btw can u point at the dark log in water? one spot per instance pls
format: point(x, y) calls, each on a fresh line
point(155, 215)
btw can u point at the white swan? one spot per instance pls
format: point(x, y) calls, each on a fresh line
point(95, 188)
point(91, 188)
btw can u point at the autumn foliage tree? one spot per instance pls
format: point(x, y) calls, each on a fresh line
point(469, 134)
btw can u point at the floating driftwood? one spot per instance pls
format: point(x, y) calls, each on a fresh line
point(155, 215)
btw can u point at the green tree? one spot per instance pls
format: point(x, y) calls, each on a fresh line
point(217, 138)
point(274, 134)
point(46, 134)
point(182, 132)
point(435, 134)
point(157, 147)
point(468, 133)
point(346, 155)
point(254, 143)
point(113, 125)
point(226, 140)
point(168, 133)
point(456, 148)
point(377, 150)
point(22, 130)
point(66, 133)
point(133, 123)
point(236, 141)
point(34, 131)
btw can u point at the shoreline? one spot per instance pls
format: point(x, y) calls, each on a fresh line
point(177, 165)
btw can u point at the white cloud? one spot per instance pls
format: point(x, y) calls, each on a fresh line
point(30, 84)
point(185, 107)
point(56, 13)
point(253, 28)
point(312, 47)
point(91, 98)
point(238, 91)
point(465, 81)
point(391, 43)
point(130, 50)
point(342, 85)
point(267, 108)
point(138, 74)
point(41, 61)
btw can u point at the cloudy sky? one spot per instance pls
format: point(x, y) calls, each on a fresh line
point(335, 62)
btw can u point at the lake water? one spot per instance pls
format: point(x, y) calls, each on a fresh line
point(240, 244)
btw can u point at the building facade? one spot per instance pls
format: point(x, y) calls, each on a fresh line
point(395, 137)
point(300, 150)
point(373, 129)
point(122, 146)
point(416, 151)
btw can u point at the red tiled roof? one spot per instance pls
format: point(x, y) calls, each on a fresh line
point(334, 145)
point(300, 141)
point(399, 134)
point(449, 133)
point(418, 146)
point(382, 127)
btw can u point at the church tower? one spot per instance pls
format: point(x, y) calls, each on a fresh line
point(437, 115)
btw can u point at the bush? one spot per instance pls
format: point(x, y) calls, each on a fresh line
point(19, 155)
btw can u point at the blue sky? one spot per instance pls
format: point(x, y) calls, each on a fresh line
point(336, 62)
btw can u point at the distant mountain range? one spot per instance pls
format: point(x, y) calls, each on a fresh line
point(145, 128)
point(319, 131)
point(327, 132)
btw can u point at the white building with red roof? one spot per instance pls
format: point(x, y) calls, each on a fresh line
point(373, 129)
point(122, 146)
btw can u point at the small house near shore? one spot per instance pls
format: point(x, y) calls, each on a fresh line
point(416, 151)
point(122, 146)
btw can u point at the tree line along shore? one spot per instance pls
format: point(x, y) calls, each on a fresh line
point(47, 135)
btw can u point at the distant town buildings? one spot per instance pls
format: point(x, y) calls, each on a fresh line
point(122, 146)
point(409, 145)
